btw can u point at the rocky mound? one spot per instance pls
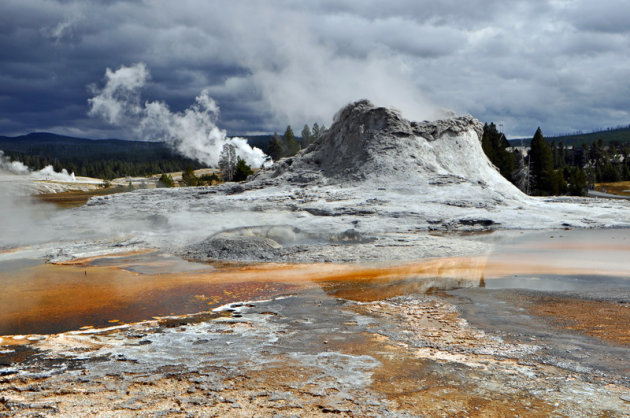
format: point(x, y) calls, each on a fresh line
point(372, 143)
point(368, 190)
point(267, 243)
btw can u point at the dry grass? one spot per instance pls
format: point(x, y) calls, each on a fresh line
point(73, 199)
point(619, 187)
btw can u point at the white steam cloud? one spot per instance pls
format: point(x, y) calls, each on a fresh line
point(193, 132)
point(23, 219)
point(46, 173)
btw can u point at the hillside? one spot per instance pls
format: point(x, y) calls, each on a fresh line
point(107, 158)
point(103, 158)
point(621, 135)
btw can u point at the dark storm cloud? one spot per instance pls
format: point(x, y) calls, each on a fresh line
point(560, 64)
point(610, 16)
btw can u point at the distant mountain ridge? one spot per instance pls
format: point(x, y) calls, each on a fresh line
point(104, 158)
point(621, 135)
point(49, 136)
point(260, 141)
point(101, 158)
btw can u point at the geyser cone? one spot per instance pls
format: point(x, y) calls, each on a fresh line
point(370, 143)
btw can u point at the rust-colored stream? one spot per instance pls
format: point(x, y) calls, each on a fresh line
point(109, 290)
point(97, 292)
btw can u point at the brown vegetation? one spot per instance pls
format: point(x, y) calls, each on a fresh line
point(621, 188)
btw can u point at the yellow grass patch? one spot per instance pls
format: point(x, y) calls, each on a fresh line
point(619, 187)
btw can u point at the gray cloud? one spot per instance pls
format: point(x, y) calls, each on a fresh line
point(562, 65)
point(609, 16)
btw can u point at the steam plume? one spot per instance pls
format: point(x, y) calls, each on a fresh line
point(193, 132)
point(46, 173)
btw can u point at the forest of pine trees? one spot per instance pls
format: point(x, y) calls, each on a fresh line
point(109, 159)
point(547, 169)
point(553, 169)
point(287, 145)
point(105, 168)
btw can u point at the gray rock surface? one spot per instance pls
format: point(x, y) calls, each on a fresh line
point(390, 181)
point(376, 144)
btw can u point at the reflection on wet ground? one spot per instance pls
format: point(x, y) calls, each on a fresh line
point(558, 282)
point(97, 292)
point(498, 335)
point(101, 291)
point(598, 252)
point(573, 333)
point(47, 298)
point(152, 263)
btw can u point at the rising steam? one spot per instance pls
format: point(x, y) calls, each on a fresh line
point(46, 173)
point(193, 132)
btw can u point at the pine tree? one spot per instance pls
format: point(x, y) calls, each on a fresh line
point(290, 144)
point(610, 173)
point(559, 154)
point(307, 136)
point(242, 170)
point(577, 181)
point(486, 143)
point(541, 160)
point(189, 178)
point(275, 148)
point(317, 132)
point(495, 146)
point(166, 180)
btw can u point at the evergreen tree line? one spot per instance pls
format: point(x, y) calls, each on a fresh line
point(105, 168)
point(231, 168)
point(109, 159)
point(288, 145)
point(234, 168)
point(552, 168)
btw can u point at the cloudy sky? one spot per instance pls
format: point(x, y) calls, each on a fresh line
point(563, 65)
